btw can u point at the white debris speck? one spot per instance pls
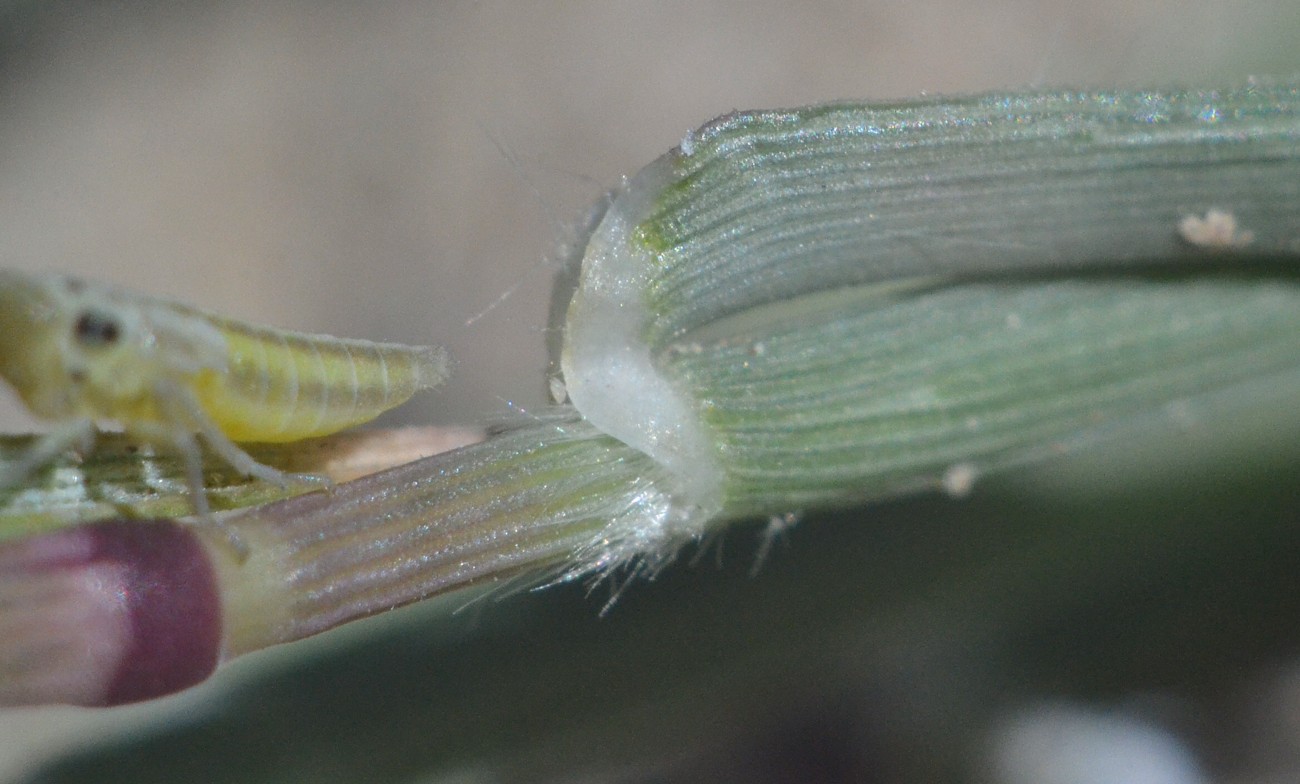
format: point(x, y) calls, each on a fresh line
point(688, 143)
point(1218, 230)
point(559, 392)
point(959, 479)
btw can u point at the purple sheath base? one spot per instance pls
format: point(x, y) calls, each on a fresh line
point(171, 600)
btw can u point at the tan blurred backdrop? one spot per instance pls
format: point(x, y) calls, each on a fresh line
point(403, 170)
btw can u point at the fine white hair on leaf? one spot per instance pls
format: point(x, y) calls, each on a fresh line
point(776, 528)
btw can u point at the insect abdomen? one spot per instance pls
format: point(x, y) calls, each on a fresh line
point(284, 386)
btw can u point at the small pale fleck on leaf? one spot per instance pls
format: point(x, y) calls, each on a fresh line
point(1218, 230)
point(959, 480)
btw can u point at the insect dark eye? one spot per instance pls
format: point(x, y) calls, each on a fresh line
point(96, 329)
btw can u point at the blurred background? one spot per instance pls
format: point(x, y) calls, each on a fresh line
point(403, 170)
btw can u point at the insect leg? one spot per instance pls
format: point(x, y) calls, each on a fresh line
point(76, 433)
point(184, 407)
point(184, 444)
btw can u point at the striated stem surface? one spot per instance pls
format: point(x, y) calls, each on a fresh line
point(550, 492)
